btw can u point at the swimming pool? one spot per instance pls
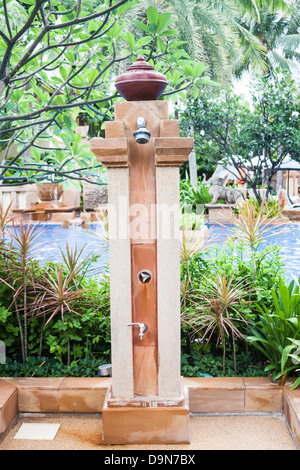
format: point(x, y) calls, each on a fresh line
point(286, 236)
point(52, 237)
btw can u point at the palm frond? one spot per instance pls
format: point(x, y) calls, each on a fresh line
point(289, 42)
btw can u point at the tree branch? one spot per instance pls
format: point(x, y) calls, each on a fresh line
point(29, 144)
point(7, 19)
point(48, 108)
point(13, 40)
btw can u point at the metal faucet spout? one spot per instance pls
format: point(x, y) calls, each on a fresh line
point(142, 328)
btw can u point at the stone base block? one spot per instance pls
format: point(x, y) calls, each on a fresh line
point(8, 404)
point(60, 217)
point(292, 214)
point(146, 424)
point(292, 412)
point(218, 213)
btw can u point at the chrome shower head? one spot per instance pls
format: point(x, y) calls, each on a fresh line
point(142, 135)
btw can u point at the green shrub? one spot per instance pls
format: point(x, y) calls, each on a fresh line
point(210, 363)
point(190, 197)
point(81, 330)
point(235, 262)
point(277, 329)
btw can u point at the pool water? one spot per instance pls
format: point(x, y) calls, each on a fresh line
point(286, 236)
point(54, 238)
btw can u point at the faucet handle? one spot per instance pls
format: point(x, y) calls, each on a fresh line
point(144, 276)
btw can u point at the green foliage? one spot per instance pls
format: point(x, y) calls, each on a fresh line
point(210, 364)
point(191, 197)
point(199, 273)
point(277, 329)
point(87, 335)
point(9, 332)
point(50, 367)
point(34, 295)
point(213, 31)
point(235, 259)
point(227, 131)
point(214, 117)
point(271, 207)
point(277, 34)
point(59, 65)
point(292, 351)
point(230, 292)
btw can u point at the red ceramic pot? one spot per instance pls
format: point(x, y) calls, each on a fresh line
point(141, 82)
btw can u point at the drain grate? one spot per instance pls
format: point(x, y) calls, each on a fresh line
point(37, 431)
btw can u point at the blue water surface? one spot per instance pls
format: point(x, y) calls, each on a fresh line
point(91, 240)
point(54, 239)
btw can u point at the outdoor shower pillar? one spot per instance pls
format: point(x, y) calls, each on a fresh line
point(143, 151)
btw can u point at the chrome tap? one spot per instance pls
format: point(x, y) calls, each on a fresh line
point(142, 135)
point(142, 328)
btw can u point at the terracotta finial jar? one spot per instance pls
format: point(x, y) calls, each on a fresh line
point(141, 82)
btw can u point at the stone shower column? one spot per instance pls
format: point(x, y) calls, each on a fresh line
point(147, 402)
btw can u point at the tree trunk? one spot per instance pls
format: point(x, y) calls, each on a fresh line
point(41, 337)
point(257, 195)
point(283, 379)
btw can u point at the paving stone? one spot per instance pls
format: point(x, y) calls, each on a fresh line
point(37, 431)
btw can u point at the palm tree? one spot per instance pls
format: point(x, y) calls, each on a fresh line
point(231, 36)
point(277, 29)
point(207, 29)
point(210, 29)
